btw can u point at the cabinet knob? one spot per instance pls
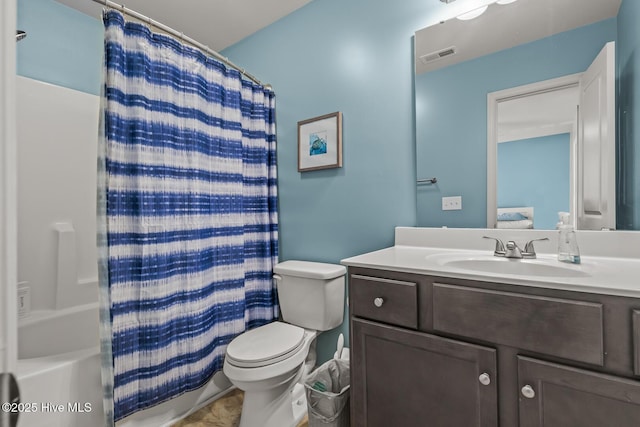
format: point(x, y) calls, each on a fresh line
point(378, 302)
point(528, 392)
point(484, 379)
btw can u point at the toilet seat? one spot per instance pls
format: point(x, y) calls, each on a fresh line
point(265, 345)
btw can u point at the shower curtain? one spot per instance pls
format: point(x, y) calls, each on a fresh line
point(188, 226)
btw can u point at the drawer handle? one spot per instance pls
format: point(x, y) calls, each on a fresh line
point(528, 392)
point(484, 379)
point(378, 302)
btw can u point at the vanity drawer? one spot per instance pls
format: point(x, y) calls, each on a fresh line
point(386, 300)
point(558, 327)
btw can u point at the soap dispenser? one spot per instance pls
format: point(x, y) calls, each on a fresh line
point(567, 243)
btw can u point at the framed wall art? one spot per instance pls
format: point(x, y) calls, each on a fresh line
point(320, 142)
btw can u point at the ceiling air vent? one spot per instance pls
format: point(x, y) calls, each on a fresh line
point(434, 56)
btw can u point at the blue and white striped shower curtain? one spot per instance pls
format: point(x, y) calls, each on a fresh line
point(188, 225)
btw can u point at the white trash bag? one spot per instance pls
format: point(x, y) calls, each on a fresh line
point(327, 391)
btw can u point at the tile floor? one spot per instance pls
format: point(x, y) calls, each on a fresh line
point(224, 412)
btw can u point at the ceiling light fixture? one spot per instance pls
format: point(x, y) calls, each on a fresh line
point(473, 14)
point(506, 1)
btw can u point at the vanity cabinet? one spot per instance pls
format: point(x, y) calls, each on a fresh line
point(403, 377)
point(559, 395)
point(435, 351)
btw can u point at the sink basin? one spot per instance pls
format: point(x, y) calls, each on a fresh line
point(521, 267)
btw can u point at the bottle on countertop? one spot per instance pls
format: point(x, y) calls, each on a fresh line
point(567, 242)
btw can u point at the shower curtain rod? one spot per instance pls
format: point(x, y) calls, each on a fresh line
point(181, 36)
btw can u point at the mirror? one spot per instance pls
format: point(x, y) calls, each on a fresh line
point(531, 145)
point(459, 63)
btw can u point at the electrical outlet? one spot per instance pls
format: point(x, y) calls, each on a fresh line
point(453, 203)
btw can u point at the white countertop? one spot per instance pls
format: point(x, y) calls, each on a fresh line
point(597, 273)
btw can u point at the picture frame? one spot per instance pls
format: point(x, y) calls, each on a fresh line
point(320, 142)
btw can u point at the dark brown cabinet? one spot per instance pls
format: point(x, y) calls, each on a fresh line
point(445, 381)
point(554, 395)
point(444, 352)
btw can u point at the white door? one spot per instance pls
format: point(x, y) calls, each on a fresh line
point(8, 215)
point(596, 192)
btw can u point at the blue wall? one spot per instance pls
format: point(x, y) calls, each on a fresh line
point(63, 46)
point(628, 202)
point(451, 116)
point(327, 57)
point(535, 172)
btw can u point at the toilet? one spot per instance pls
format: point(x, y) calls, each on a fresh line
point(269, 363)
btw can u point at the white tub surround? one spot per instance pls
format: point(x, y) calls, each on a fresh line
point(57, 132)
point(56, 332)
point(610, 259)
point(70, 291)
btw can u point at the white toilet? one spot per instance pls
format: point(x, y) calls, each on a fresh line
point(268, 363)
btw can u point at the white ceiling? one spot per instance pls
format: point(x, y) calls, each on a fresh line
point(214, 23)
point(505, 26)
point(546, 113)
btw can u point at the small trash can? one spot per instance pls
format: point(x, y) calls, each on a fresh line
point(327, 391)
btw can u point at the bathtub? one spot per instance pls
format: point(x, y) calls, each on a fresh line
point(60, 380)
point(59, 368)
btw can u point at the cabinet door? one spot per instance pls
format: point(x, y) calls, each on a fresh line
point(407, 378)
point(554, 395)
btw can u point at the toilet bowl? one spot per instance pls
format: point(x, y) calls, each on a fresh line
point(269, 363)
point(268, 376)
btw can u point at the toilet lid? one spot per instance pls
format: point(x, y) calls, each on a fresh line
point(265, 345)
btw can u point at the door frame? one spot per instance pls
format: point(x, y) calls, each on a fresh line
point(495, 98)
point(8, 198)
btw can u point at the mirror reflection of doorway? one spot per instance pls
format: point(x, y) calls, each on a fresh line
point(535, 134)
point(575, 111)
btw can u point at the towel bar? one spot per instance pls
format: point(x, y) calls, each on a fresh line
point(427, 180)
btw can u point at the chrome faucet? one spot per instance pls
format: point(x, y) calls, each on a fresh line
point(511, 249)
point(499, 250)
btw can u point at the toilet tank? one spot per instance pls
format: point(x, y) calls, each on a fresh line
point(311, 294)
